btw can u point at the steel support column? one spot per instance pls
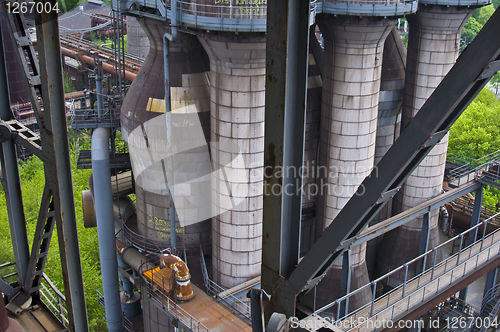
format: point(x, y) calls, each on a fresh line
point(98, 86)
point(491, 279)
point(474, 68)
point(49, 52)
point(475, 219)
point(476, 215)
point(17, 220)
point(346, 281)
point(286, 79)
point(424, 240)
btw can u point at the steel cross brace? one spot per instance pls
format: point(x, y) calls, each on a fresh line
point(464, 81)
point(46, 82)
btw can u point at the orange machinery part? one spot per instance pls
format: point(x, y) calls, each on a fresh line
point(182, 276)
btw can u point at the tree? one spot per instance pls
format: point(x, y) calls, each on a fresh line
point(471, 29)
point(68, 84)
point(477, 132)
point(68, 5)
point(483, 14)
point(496, 3)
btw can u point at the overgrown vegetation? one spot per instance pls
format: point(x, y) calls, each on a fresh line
point(477, 21)
point(111, 42)
point(68, 84)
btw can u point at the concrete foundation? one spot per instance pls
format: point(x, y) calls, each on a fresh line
point(432, 50)
point(237, 81)
point(351, 85)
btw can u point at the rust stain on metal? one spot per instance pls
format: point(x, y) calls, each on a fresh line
point(269, 164)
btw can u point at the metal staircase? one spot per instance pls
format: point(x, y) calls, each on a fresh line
point(41, 243)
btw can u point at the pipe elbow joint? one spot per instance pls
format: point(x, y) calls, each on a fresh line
point(184, 290)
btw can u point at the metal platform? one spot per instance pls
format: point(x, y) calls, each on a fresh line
point(368, 8)
point(88, 119)
point(228, 15)
point(202, 313)
point(466, 3)
point(119, 160)
point(38, 319)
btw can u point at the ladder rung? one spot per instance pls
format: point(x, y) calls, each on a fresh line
point(46, 235)
point(37, 273)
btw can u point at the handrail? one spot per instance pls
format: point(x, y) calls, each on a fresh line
point(250, 16)
point(164, 302)
point(54, 299)
point(232, 15)
point(474, 169)
point(231, 302)
point(483, 243)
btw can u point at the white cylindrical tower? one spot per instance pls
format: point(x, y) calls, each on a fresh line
point(351, 85)
point(432, 50)
point(237, 81)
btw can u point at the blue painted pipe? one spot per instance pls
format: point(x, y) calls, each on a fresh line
point(106, 228)
point(166, 67)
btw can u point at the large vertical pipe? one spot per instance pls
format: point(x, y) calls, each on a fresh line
point(166, 67)
point(432, 50)
point(351, 84)
point(106, 228)
point(168, 117)
point(98, 87)
point(15, 209)
point(49, 52)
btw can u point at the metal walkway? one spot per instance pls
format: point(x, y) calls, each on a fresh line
point(436, 281)
point(250, 16)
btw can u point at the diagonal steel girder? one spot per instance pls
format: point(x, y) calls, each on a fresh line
point(473, 69)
